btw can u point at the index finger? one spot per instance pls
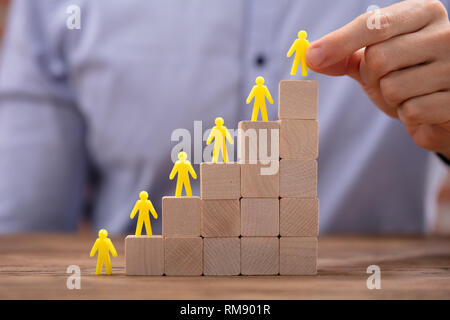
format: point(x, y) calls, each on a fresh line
point(370, 28)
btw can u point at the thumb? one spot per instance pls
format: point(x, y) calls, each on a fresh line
point(348, 66)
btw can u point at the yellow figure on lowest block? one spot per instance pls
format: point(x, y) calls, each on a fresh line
point(144, 206)
point(183, 167)
point(260, 93)
point(103, 245)
point(219, 133)
point(299, 46)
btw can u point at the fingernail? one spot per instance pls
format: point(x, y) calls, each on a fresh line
point(315, 56)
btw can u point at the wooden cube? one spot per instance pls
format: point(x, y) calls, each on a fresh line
point(299, 139)
point(260, 217)
point(183, 256)
point(298, 256)
point(144, 255)
point(299, 217)
point(221, 218)
point(260, 255)
point(260, 180)
point(220, 180)
point(298, 178)
point(297, 99)
point(221, 256)
point(181, 216)
point(258, 140)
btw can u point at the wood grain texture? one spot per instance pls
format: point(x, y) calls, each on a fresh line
point(260, 255)
point(220, 180)
point(183, 256)
point(299, 139)
point(221, 218)
point(33, 266)
point(298, 178)
point(221, 256)
point(181, 216)
point(299, 217)
point(298, 99)
point(298, 256)
point(258, 140)
point(260, 217)
point(256, 185)
point(144, 255)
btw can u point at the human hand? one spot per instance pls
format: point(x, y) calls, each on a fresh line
point(400, 55)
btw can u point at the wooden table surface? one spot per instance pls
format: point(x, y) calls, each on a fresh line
point(34, 267)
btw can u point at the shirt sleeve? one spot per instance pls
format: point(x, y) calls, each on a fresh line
point(42, 154)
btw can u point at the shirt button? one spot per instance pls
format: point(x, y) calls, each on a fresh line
point(260, 60)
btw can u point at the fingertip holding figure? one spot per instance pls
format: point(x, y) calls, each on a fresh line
point(405, 80)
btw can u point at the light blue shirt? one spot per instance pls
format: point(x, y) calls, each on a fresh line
point(109, 96)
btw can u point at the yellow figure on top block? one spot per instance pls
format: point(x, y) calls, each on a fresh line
point(260, 93)
point(144, 206)
point(103, 245)
point(183, 167)
point(219, 133)
point(299, 46)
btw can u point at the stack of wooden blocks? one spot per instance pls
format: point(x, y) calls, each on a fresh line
point(246, 222)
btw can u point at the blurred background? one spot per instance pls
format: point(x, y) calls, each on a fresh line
point(38, 32)
point(442, 225)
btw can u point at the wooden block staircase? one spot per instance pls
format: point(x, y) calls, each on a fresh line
point(255, 217)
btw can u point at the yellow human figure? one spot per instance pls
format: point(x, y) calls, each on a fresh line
point(144, 206)
point(299, 46)
point(260, 93)
point(219, 133)
point(183, 167)
point(103, 245)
